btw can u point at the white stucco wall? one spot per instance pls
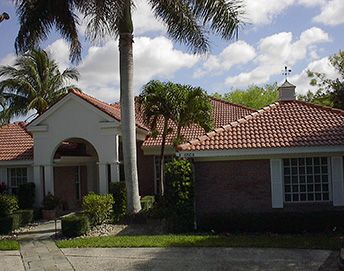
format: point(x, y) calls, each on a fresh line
point(71, 118)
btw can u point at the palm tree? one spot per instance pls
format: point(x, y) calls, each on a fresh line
point(177, 104)
point(33, 83)
point(186, 21)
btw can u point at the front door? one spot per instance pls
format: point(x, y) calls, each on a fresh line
point(70, 185)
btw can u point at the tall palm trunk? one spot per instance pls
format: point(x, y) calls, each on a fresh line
point(162, 158)
point(128, 126)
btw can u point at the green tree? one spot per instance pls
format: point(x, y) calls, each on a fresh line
point(188, 22)
point(319, 97)
point(331, 90)
point(253, 97)
point(170, 103)
point(33, 83)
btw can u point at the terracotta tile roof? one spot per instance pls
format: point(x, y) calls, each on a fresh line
point(223, 113)
point(16, 142)
point(113, 110)
point(283, 124)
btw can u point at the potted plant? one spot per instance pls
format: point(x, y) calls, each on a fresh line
point(50, 205)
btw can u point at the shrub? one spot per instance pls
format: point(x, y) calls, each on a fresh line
point(75, 225)
point(8, 205)
point(26, 195)
point(147, 202)
point(286, 222)
point(119, 193)
point(179, 195)
point(9, 223)
point(25, 216)
point(50, 202)
point(98, 207)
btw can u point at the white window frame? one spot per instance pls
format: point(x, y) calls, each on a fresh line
point(24, 177)
point(329, 181)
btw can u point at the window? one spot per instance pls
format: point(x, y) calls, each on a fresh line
point(306, 179)
point(157, 171)
point(16, 177)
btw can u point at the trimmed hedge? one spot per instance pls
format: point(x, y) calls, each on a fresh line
point(75, 225)
point(25, 216)
point(147, 202)
point(179, 207)
point(9, 223)
point(26, 195)
point(286, 222)
point(8, 205)
point(119, 193)
point(98, 207)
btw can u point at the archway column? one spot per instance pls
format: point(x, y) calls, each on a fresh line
point(103, 178)
point(49, 179)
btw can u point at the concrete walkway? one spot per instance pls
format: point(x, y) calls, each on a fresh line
point(39, 252)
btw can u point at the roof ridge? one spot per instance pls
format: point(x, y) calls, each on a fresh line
point(230, 103)
point(226, 127)
point(80, 93)
point(324, 107)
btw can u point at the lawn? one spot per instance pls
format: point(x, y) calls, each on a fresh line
point(309, 241)
point(9, 245)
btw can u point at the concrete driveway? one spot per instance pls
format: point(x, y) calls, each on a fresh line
point(233, 259)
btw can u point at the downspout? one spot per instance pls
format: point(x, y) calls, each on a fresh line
point(194, 194)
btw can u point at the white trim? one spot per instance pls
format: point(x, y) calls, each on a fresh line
point(108, 124)
point(337, 180)
point(277, 195)
point(222, 154)
point(39, 128)
point(17, 163)
point(60, 103)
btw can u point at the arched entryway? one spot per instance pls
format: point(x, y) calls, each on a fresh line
point(75, 171)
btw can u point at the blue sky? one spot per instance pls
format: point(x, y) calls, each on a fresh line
point(298, 33)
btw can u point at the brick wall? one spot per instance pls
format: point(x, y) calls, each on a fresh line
point(228, 186)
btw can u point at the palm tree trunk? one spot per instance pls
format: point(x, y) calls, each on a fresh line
point(162, 159)
point(128, 126)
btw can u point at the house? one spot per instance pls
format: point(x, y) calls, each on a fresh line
point(75, 148)
point(286, 156)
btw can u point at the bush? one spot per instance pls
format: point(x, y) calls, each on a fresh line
point(25, 216)
point(75, 225)
point(50, 202)
point(119, 194)
point(9, 223)
point(286, 222)
point(26, 195)
point(8, 205)
point(179, 195)
point(147, 202)
point(98, 207)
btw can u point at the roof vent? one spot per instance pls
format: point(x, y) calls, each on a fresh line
point(287, 91)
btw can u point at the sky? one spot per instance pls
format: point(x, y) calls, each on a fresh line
point(300, 34)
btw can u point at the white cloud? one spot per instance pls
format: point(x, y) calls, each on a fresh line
point(59, 51)
point(153, 57)
point(144, 21)
point(276, 51)
point(301, 81)
point(261, 12)
point(236, 53)
point(331, 13)
point(8, 60)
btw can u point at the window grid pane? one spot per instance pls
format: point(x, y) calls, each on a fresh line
point(306, 179)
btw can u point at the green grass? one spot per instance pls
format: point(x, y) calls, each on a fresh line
point(9, 245)
point(314, 241)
